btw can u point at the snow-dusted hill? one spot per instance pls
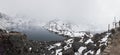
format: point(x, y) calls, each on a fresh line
point(65, 28)
point(4, 21)
point(14, 23)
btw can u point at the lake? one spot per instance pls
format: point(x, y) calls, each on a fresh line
point(40, 34)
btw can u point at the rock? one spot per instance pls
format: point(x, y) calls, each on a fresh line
point(77, 39)
point(68, 52)
point(76, 46)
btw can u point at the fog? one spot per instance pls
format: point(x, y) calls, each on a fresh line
point(95, 14)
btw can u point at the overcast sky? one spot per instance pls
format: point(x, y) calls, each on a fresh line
point(82, 12)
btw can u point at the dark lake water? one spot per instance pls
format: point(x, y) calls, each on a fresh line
point(41, 34)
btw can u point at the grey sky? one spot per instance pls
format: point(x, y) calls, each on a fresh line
point(83, 12)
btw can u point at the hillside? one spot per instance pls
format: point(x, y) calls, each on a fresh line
point(114, 43)
point(14, 22)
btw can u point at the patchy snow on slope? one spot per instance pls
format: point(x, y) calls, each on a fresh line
point(58, 52)
point(65, 28)
point(67, 46)
point(51, 47)
point(69, 41)
point(81, 40)
point(54, 45)
point(78, 34)
point(89, 41)
point(98, 52)
point(80, 50)
point(69, 34)
point(57, 44)
point(89, 52)
point(105, 38)
point(86, 47)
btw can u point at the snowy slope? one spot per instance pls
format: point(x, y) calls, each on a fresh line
point(65, 28)
point(73, 46)
point(81, 43)
point(14, 23)
point(4, 21)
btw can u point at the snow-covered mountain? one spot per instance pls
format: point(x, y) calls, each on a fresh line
point(14, 23)
point(65, 28)
point(4, 21)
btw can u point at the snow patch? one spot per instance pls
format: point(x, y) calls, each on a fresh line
point(57, 44)
point(89, 52)
point(89, 41)
point(58, 52)
point(80, 50)
point(98, 52)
